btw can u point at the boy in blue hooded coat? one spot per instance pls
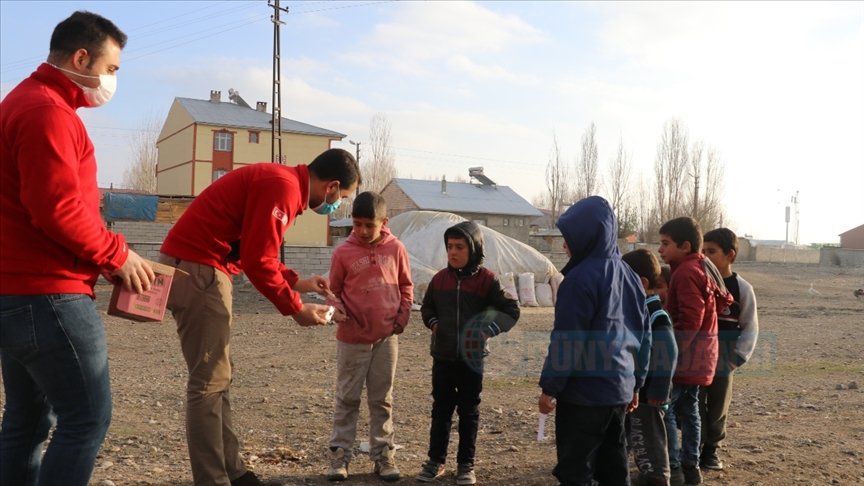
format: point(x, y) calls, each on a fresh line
point(598, 351)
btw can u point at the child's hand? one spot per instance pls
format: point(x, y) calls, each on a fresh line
point(546, 404)
point(634, 404)
point(339, 317)
point(434, 328)
point(397, 329)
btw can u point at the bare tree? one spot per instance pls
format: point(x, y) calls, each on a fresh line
point(646, 213)
point(141, 175)
point(586, 165)
point(670, 168)
point(380, 167)
point(706, 179)
point(556, 180)
point(619, 191)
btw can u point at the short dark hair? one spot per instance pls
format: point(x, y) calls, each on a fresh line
point(336, 165)
point(84, 30)
point(684, 229)
point(370, 205)
point(645, 264)
point(725, 238)
point(666, 273)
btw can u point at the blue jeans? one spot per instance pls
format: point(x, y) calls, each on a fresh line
point(684, 414)
point(54, 360)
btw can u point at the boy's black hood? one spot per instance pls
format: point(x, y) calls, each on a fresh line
point(471, 232)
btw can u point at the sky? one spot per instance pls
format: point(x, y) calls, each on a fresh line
point(776, 88)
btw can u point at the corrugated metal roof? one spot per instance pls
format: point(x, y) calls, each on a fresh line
point(465, 197)
point(233, 115)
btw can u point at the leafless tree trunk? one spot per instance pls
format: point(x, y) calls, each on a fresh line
point(711, 196)
point(141, 175)
point(556, 180)
point(380, 166)
point(586, 165)
point(670, 168)
point(695, 174)
point(619, 182)
point(646, 212)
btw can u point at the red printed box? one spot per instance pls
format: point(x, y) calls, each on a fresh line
point(149, 306)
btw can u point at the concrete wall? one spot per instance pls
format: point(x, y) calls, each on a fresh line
point(146, 239)
point(841, 257)
point(770, 254)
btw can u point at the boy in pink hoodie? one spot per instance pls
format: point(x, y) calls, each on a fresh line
point(371, 279)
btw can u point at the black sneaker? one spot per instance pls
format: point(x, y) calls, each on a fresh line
point(709, 459)
point(250, 479)
point(676, 476)
point(692, 474)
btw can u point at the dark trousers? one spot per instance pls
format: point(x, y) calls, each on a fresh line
point(455, 386)
point(714, 401)
point(591, 445)
point(648, 442)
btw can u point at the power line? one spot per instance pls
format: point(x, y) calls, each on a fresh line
point(26, 62)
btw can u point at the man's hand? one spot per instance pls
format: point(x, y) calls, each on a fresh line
point(315, 283)
point(546, 404)
point(136, 274)
point(311, 315)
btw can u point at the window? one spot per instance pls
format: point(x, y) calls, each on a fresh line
point(520, 222)
point(224, 142)
point(253, 137)
point(506, 221)
point(218, 173)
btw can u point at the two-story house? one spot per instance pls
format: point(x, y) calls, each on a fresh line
point(201, 140)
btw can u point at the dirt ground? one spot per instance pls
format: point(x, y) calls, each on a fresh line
point(796, 416)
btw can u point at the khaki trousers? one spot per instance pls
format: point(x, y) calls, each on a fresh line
point(201, 304)
point(374, 365)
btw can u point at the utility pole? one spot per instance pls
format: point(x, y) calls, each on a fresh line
point(357, 146)
point(276, 121)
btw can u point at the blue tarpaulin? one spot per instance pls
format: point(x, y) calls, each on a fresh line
point(130, 207)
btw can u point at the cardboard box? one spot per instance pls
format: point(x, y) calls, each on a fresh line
point(149, 306)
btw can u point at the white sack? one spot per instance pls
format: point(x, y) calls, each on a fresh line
point(543, 292)
point(526, 290)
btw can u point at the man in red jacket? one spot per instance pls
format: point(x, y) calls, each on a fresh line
point(53, 246)
point(238, 222)
point(696, 293)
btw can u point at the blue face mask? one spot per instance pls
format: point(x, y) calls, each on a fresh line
point(327, 207)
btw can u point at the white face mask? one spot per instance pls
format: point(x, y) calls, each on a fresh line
point(100, 95)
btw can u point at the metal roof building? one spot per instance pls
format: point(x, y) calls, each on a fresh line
point(243, 116)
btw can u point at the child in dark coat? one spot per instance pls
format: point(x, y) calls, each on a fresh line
point(464, 306)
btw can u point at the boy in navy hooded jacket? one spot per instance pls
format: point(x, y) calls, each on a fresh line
point(598, 350)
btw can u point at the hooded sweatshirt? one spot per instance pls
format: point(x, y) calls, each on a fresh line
point(52, 237)
point(372, 283)
point(465, 302)
point(601, 340)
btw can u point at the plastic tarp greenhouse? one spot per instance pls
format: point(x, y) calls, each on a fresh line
point(422, 233)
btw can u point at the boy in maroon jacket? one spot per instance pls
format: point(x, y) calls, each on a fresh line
point(696, 293)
